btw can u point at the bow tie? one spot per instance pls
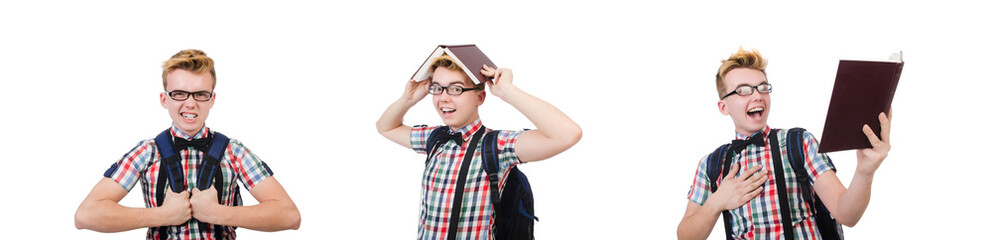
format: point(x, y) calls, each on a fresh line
point(457, 137)
point(758, 139)
point(199, 144)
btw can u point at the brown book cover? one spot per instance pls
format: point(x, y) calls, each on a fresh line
point(862, 90)
point(468, 57)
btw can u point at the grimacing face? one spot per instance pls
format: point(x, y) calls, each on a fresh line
point(189, 115)
point(750, 113)
point(456, 111)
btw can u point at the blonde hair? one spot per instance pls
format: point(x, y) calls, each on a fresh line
point(192, 60)
point(741, 59)
point(445, 61)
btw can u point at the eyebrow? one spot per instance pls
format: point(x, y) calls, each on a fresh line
point(452, 84)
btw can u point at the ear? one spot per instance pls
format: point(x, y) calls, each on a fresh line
point(161, 99)
point(482, 97)
point(720, 105)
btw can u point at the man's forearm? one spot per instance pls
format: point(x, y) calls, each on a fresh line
point(109, 216)
point(393, 116)
point(270, 215)
point(698, 224)
point(854, 201)
point(553, 123)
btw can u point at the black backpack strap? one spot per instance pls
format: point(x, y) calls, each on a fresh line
point(490, 160)
point(718, 164)
point(432, 143)
point(456, 205)
point(783, 193)
point(210, 174)
point(170, 172)
point(828, 227)
point(797, 158)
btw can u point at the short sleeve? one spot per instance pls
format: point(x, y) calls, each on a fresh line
point(506, 142)
point(418, 137)
point(128, 170)
point(816, 163)
point(249, 168)
point(700, 189)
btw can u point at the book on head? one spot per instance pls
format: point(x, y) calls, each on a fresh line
point(468, 57)
point(862, 90)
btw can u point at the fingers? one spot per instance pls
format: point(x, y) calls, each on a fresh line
point(750, 172)
point(733, 172)
point(496, 76)
point(884, 120)
point(871, 135)
point(488, 71)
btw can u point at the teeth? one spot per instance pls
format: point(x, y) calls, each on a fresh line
point(447, 109)
point(756, 110)
point(189, 115)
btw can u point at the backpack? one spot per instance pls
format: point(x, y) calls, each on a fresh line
point(825, 224)
point(171, 171)
point(513, 211)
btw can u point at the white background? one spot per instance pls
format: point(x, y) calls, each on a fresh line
point(302, 85)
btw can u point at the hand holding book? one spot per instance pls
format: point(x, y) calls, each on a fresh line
point(870, 158)
point(501, 78)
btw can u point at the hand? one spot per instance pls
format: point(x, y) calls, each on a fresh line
point(870, 158)
point(177, 207)
point(735, 191)
point(204, 204)
point(415, 91)
point(502, 79)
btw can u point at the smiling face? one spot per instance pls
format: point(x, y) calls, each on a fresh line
point(456, 111)
point(188, 115)
point(750, 113)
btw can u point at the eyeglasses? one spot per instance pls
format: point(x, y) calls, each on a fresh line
point(453, 90)
point(746, 90)
point(180, 95)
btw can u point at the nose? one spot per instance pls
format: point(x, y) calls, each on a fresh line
point(189, 102)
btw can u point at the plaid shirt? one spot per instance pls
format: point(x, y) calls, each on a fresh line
point(441, 176)
point(141, 164)
point(760, 218)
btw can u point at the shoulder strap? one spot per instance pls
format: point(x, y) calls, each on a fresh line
point(783, 194)
point(797, 158)
point(456, 205)
point(718, 164)
point(170, 169)
point(432, 142)
point(490, 160)
point(209, 171)
point(170, 172)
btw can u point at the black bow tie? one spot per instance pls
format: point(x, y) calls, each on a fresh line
point(757, 139)
point(457, 137)
point(198, 144)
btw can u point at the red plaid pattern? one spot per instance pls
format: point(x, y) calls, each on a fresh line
point(440, 179)
point(141, 164)
point(760, 217)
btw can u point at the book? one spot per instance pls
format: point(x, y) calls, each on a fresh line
point(862, 90)
point(468, 57)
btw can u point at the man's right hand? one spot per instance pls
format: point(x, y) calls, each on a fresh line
point(415, 91)
point(735, 191)
point(176, 208)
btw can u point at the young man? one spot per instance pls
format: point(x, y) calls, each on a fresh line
point(189, 80)
point(457, 99)
point(749, 189)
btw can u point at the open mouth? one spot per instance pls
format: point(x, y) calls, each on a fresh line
point(756, 113)
point(446, 111)
point(189, 116)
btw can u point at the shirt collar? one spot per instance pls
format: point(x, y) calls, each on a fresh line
point(176, 132)
point(470, 129)
point(739, 136)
